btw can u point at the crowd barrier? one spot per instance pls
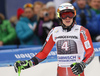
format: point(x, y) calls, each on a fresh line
point(8, 57)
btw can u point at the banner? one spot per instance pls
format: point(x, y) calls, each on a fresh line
point(8, 57)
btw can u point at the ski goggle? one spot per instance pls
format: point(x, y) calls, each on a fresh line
point(64, 15)
point(28, 5)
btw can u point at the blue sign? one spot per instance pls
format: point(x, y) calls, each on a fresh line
point(8, 57)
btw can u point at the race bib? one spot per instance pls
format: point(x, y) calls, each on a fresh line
point(64, 60)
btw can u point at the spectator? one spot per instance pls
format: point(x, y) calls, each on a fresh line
point(86, 17)
point(98, 19)
point(26, 26)
point(13, 21)
point(72, 1)
point(52, 12)
point(7, 32)
point(44, 24)
point(95, 5)
point(37, 6)
point(88, 2)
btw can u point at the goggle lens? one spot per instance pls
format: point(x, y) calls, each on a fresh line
point(64, 15)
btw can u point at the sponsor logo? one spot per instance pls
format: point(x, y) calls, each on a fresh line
point(79, 57)
point(65, 6)
point(67, 58)
point(84, 35)
point(30, 55)
point(56, 31)
point(76, 29)
point(87, 44)
point(72, 37)
point(97, 49)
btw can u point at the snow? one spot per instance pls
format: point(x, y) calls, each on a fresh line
point(49, 69)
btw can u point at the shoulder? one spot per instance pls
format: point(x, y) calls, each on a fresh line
point(80, 27)
point(58, 27)
point(55, 29)
point(92, 12)
point(6, 21)
point(83, 30)
point(20, 23)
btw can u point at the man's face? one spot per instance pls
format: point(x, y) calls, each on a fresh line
point(95, 4)
point(68, 21)
point(28, 12)
point(81, 3)
point(37, 8)
point(51, 10)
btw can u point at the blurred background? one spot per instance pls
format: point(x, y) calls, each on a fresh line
point(25, 24)
point(39, 17)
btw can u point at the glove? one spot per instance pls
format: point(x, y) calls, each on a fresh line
point(78, 68)
point(22, 65)
point(83, 19)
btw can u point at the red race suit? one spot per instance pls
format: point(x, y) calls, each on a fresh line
point(70, 48)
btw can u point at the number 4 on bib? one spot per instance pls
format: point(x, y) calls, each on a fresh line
point(65, 46)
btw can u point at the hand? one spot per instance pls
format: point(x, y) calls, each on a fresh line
point(1, 43)
point(78, 68)
point(22, 65)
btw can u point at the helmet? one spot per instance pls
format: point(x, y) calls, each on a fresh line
point(66, 6)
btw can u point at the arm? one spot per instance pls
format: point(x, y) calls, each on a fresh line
point(78, 68)
point(87, 44)
point(47, 47)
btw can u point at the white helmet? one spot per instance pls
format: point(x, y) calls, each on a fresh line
point(65, 6)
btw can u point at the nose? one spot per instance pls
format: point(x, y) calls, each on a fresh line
point(67, 18)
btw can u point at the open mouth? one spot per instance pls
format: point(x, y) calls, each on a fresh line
point(67, 21)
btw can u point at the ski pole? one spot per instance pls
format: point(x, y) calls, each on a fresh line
point(19, 70)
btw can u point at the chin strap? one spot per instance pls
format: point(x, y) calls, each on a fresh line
point(68, 28)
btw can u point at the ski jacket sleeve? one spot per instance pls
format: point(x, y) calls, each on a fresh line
point(87, 44)
point(47, 47)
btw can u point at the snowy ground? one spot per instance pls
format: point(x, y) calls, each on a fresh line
point(49, 69)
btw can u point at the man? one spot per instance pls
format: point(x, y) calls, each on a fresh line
point(86, 17)
point(71, 40)
point(37, 7)
point(95, 5)
point(52, 12)
point(7, 32)
point(26, 26)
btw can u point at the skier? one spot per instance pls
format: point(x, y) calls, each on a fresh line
point(71, 40)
